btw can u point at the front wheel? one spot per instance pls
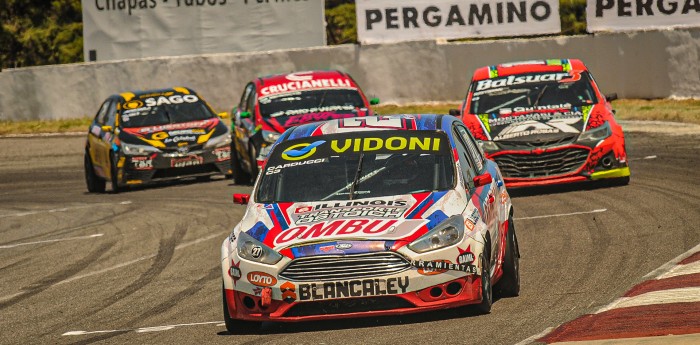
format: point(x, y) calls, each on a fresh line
point(509, 285)
point(234, 326)
point(486, 289)
point(95, 184)
point(114, 173)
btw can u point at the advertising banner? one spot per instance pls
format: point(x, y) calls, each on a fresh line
point(381, 21)
point(127, 29)
point(624, 15)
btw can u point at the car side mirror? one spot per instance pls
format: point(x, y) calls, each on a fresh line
point(241, 199)
point(455, 112)
point(374, 101)
point(482, 180)
point(106, 128)
point(223, 115)
point(244, 114)
point(611, 97)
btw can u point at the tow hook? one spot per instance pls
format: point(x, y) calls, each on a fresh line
point(266, 297)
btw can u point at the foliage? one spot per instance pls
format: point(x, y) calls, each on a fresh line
point(573, 16)
point(341, 24)
point(40, 32)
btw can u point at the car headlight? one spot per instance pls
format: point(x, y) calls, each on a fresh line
point(137, 150)
point(447, 233)
point(264, 151)
point(487, 145)
point(253, 250)
point(222, 140)
point(597, 133)
point(270, 136)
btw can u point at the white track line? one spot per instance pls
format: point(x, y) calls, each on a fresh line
point(655, 273)
point(563, 214)
point(682, 295)
point(535, 337)
point(644, 158)
point(62, 209)
point(124, 264)
point(143, 329)
point(50, 241)
point(681, 270)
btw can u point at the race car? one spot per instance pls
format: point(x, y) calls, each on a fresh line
point(269, 105)
point(370, 216)
point(144, 136)
point(545, 122)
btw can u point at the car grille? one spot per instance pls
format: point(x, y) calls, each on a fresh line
point(528, 145)
point(334, 267)
point(541, 165)
point(348, 305)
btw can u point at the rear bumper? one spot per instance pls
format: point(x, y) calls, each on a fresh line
point(161, 167)
point(244, 306)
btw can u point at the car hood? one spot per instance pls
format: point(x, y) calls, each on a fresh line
point(282, 123)
point(348, 226)
point(176, 135)
point(543, 124)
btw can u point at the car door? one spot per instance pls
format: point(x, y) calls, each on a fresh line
point(243, 122)
point(486, 193)
point(97, 145)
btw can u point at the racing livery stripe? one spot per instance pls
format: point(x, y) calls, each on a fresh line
point(428, 200)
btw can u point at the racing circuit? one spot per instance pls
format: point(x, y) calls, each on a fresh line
point(143, 266)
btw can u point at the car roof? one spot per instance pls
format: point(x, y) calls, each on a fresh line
point(129, 95)
point(533, 66)
point(409, 122)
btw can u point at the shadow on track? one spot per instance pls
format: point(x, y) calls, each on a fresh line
point(563, 188)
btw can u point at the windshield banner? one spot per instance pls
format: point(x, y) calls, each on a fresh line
point(610, 15)
point(120, 29)
point(379, 142)
point(380, 21)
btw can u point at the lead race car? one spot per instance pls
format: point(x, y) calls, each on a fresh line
point(370, 216)
point(271, 104)
point(545, 122)
point(145, 136)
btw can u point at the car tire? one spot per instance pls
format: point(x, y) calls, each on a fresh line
point(239, 176)
point(234, 326)
point(113, 173)
point(509, 284)
point(95, 184)
point(486, 289)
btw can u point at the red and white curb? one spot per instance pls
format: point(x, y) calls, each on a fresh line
point(662, 310)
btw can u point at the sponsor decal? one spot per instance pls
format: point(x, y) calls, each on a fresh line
point(353, 288)
point(235, 272)
point(443, 265)
point(343, 246)
point(351, 212)
point(174, 99)
point(222, 153)
point(261, 279)
point(326, 249)
point(179, 138)
point(431, 271)
point(527, 128)
point(288, 290)
point(504, 197)
point(373, 122)
point(303, 209)
point(257, 291)
point(370, 144)
point(470, 220)
point(518, 80)
point(301, 151)
point(299, 85)
point(142, 163)
point(507, 120)
point(133, 104)
point(186, 161)
point(278, 168)
point(465, 258)
point(315, 114)
point(337, 228)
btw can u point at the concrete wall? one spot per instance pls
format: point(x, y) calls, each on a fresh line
point(654, 64)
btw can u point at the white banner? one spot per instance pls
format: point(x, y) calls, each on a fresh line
point(125, 29)
point(399, 20)
point(621, 15)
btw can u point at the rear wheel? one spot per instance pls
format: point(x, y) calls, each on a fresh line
point(486, 289)
point(95, 184)
point(234, 326)
point(509, 285)
point(239, 176)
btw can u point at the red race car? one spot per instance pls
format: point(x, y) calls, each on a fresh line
point(269, 105)
point(545, 122)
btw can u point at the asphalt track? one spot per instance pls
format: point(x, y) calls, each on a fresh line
point(143, 266)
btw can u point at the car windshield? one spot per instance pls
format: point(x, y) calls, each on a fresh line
point(160, 112)
point(356, 166)
point(533, 91)
point(315, 101)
